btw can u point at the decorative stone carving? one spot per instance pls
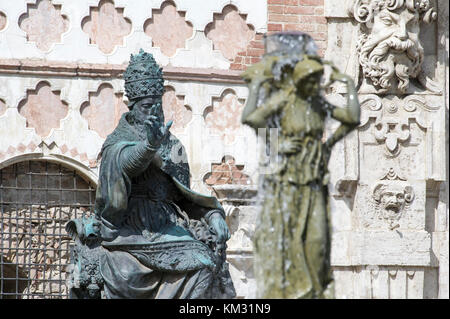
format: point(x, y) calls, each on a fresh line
point(392, 196)
point(106, 26)
point(103, 110)
point(168, 39)
point(391, 132)
point(223, 116)
point(44, 24)
point(43, 109)
point(392, 119)
point(226, 172)
point(387, 238)
point(229, 32)
point(390, 52)
point(85, 279)
point(175, 110)
point(2, 21)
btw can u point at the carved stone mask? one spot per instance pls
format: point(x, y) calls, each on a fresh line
point(391, 199)
point(390, 52)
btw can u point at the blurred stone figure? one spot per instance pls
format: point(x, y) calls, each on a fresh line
point(292, 238)
point(158, 238)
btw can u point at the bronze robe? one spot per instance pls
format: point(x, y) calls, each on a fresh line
point(149, 251)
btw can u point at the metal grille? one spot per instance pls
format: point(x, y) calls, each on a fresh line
point(37, 199)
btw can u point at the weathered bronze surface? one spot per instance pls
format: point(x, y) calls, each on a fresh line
point(292, 238)
point(152, 236)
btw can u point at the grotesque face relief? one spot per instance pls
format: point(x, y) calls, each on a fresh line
point(390, 53)
point(391, 200)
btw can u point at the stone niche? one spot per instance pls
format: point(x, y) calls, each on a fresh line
point(389, 181)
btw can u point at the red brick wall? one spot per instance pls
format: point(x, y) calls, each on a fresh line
point(287, 15)
point(251, 55)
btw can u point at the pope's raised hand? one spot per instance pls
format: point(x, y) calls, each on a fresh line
point(156, 131)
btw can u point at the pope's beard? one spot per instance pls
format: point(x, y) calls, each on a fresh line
point(391, 60)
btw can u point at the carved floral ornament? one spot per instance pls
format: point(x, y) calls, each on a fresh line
point(226, 172)
point(393, 117)
point(390, 52)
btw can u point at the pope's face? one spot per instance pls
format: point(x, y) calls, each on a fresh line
point(148, 106)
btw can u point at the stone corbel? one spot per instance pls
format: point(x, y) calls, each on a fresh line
point(235, 195)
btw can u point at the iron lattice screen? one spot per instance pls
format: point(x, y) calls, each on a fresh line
point(37, 199)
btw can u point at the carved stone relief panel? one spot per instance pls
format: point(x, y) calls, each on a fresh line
point(44, 24)
point(169, 39)
point(394, 130)
point(390, 51)
point(390, 203)
point(386, 243)
point(106, 26)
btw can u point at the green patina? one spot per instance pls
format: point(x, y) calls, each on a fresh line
point(153, 237)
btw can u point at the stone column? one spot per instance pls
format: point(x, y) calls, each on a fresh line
point(389, 180)
point(239, 204)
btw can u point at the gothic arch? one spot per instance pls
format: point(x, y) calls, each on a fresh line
point(38, 196)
